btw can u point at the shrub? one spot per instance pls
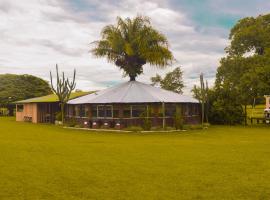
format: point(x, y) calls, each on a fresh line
point(206, 125)
point(157, 128)
point(169, 128)
point(147, 123)
point(104, 127)
point(78, 126)
point(193, 126)
point(71, 122)
point(225, 111)
point(134, 128)
point(58, 116)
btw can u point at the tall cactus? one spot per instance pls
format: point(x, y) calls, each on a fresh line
point(203, 96)
point(206, 101)
point(63, 89)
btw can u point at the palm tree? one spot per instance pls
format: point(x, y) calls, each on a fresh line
point(131, 43)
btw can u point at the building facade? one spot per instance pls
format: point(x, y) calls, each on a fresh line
point(130, 104)
point(41, 109)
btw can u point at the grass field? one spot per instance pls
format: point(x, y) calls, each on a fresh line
point(48, 162)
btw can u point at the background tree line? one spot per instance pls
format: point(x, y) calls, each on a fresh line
point(243, 75)
point(19, 87)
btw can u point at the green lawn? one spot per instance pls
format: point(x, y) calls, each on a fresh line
point(48, 162)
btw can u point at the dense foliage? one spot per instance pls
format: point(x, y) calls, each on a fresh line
point(131, 43)
point(18, 87)
point(172, 81)
point(244, 74)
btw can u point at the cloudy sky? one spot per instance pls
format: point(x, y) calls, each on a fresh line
point(37, 34)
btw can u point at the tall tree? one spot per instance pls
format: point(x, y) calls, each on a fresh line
point(243, 75)
point(63, 89)
point(131, 43)
point(172, 81)
point(250, 35)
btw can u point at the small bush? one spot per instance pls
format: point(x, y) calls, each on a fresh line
point(104, 127)
point(157, 128)
point(58, 116)
point(78, 126)
point(193, 126)
point(206, 125)
point(71, 122)
point(147, 123)
point(134, 128)
point(169, 128)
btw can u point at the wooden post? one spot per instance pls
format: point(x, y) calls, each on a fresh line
point(121, 111)
point(147, 111)
point(89, 111)
point(131, 112)
point(163, 113)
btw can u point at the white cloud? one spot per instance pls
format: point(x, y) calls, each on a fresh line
point(34, 35)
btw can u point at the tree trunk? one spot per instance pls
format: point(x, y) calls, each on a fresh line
point(132, 77)
point(163, 116)
point(63, 112)
point(202, 112)
point(206, 111)
point(245, 114)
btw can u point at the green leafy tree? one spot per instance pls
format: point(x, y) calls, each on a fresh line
point(250, 34)
point(225, 108)
point(63, 89)
point(172, 81)
point(243, 75)
point(132, 43)
point(19, 87)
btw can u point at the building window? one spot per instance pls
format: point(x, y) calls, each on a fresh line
point(108, 111)
point(126, 112)
point(170, 110)
point(84, 111)
point(77, 110)
point(19, 108)
point(94, 111)
point(138, 110)
point(70, 110)
point(105, 111)
point(101, 112)
point(115, 113)
point(195, 109)
point(188, 110)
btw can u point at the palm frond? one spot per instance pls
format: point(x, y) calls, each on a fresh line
point(133, 42)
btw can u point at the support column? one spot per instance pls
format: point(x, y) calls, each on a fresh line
point(147, 111)
point(163, 116)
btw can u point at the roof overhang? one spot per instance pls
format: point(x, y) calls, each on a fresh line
point(133, 92)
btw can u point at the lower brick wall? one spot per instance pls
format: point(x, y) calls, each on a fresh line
point(123, 123)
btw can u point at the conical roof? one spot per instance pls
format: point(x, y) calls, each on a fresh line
point(133, 92)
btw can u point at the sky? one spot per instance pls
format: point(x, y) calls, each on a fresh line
point(37, 34)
